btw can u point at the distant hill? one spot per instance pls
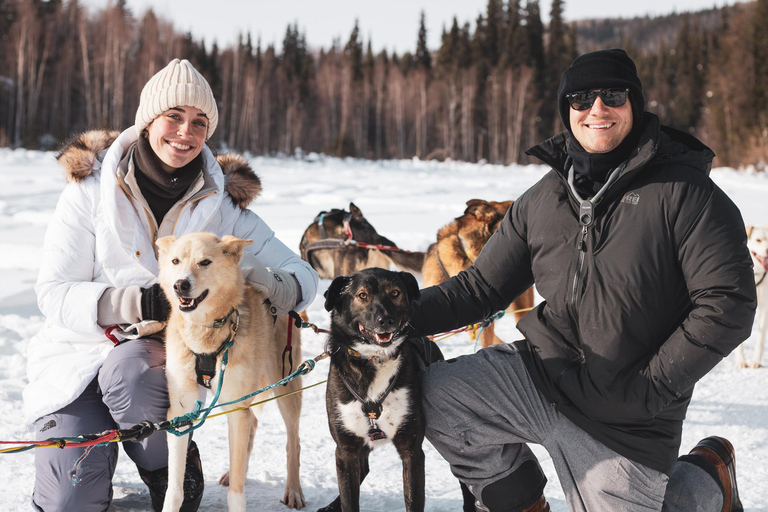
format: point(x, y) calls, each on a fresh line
point(644, 33)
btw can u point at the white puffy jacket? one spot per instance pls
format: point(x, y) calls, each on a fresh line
point(100, 237)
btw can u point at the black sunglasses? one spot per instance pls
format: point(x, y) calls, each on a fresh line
point(583, 100)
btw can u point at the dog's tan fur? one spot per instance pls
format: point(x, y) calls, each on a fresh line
point(757, 242)
point(457, 247)
point(210, 263)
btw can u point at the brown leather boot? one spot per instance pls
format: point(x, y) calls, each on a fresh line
point(718, 452)
point(540, 506)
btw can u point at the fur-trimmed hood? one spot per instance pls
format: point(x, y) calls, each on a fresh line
point(80, 153)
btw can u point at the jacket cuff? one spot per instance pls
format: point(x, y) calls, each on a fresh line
point(280, 286)
point(119, 306)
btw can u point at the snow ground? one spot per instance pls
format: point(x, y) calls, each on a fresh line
point(407, 201)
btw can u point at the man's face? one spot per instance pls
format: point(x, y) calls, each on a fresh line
point(601, 129)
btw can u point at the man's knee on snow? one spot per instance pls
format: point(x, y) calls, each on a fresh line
point(514, 492)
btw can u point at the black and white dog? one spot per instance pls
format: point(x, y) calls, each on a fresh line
point(374, 393)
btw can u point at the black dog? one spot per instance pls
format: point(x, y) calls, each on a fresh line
point(373, 393)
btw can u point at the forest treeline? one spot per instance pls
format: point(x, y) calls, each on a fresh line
point(487, 93)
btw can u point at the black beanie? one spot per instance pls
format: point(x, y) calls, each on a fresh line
point(603, 69)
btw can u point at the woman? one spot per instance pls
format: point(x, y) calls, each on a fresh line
point(99, 270)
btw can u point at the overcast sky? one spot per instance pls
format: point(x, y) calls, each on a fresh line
point(390, 24)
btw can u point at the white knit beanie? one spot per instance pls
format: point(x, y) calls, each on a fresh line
point(176, 85)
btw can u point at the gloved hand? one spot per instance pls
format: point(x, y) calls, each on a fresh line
point(281, 287)
point(154, 305)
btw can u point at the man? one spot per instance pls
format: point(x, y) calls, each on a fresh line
point(647, 284)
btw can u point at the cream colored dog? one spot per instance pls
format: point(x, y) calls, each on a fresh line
point(757, 242)
point(202, 279)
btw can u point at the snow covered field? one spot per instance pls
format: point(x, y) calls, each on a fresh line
point(407, 201)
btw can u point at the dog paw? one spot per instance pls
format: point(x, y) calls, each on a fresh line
point(740, 364)
point(755, 365)
point(224, 480)
point(293, 498)
point(334, 506)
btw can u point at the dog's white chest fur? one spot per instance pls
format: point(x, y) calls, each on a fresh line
point(395, 408)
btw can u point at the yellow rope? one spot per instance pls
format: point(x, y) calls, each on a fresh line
point(117, 440)
point(267, 400)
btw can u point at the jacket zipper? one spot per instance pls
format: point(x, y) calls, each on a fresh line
point(582, 248)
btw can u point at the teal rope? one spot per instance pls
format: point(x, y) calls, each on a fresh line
point(488, 321)
point(191, 417)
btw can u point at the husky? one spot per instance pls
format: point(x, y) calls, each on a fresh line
point(757, 242)
point(328, 245)
point(457, 247)
point(211, 306)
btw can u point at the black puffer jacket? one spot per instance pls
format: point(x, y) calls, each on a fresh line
point(660, 290)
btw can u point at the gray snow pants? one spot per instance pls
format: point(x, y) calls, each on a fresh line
point(481, 411)
point(129, 388)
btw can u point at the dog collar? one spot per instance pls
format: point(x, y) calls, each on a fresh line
point(372, 408)
point(357, 355)
point(205, 364)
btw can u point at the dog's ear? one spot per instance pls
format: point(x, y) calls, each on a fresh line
point(502, 207)
point(234, 246)
point(164, 243)
point(333, 293)
point(482, 210)
point(355, 210)
point(411, 285)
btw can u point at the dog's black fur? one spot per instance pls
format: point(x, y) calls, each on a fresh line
point(377, 312)
point(369, 314)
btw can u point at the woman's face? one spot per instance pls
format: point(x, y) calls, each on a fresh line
point(177, 136)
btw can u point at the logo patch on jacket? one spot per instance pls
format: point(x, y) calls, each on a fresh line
point(49, 425)
point(631, 198)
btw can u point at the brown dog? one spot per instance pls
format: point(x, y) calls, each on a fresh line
point(457, 247)
point(340, 243)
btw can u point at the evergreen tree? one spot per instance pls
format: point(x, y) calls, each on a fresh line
point(558, 59)
point(369, 63)
point(464, 50)
point(493, 32)
point(515, 39)
point(448, 52)
point(760, 58)
point(534, 30)
point(354, 52)
point(422, 58)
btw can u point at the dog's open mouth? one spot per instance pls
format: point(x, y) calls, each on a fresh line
point(187, 304)
point(382, 339)
point(762, 259)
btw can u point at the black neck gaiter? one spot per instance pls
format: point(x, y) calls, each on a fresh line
point(592, 168)
point(162, 189)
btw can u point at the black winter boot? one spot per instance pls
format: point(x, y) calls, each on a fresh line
point(157, 482)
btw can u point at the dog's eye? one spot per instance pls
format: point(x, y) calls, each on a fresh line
point(362, 296)
point(204, 263)
point(395, 293)
point(175, 261)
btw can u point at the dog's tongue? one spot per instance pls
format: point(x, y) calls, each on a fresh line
point(383, 337)
point(763, 260)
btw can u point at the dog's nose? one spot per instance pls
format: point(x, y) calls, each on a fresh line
point(385, 321)
point(181, 286)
